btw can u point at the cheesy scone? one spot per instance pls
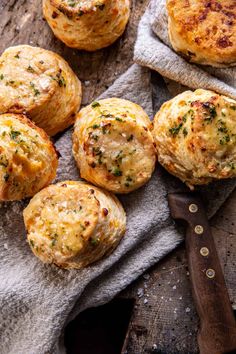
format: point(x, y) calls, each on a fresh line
point(28, 159)
point(204, 32)
point(40, 83)
point(113, 146)
point(88, 25)
point(73, 224)
point(195, 136)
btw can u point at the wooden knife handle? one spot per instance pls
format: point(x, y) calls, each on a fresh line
point(217, 333)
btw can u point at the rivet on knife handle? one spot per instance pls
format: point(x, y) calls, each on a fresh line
point(217, 334)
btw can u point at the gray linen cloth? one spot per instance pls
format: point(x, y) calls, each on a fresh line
point(37, 300)
point(153, 49)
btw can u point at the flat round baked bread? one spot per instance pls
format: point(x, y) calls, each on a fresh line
point(113, 146)
point(88, 25)
point(40, 83)
point(28, 160)
point(195, 135)
point(73, 224)
point(203, 31)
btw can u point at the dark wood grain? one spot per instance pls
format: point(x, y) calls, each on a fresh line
point(217, 333)
point(168, 323)
point(164, 320)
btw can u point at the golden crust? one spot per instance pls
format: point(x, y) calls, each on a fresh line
point(113, 146)
point(87, 25)
point(28, 159)
point(204, 31)
point(40, 83)
point(73, 224)
point(195, 135)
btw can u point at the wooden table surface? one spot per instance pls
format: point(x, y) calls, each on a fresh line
point(164, 319)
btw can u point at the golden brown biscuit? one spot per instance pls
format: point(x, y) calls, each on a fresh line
point(195, 135)
point(28, 160)
point(40, 83)
point(113, 146)
point(88, 25)
point(74, 224)
point(204, 31)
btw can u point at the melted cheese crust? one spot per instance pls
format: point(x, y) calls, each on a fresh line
point(73, 224)
point(40, 83)
point(87, 25)
point(113, 146)
point(195, 135)
point(28, 160)
point(204, 31)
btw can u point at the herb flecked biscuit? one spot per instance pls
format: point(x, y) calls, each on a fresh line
point(195, 135)
point(113, 146)
point(204, 31)
point(87, 25)
point(28, 160)
point(40, 83)
point(73, 224)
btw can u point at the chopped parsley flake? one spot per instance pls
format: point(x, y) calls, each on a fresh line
point(10, 83)
point(100, 6)
point(130, 138)
point(95, 104)
point(105, 129)
point(223, 129)
point(54, 241)
point(212, 112)
point(117, 172)
point(94, 241)
point(36, 91)
point(82, 227)
point(14, 134)
point(185, 132)
point(97, 151)
point(225, 140)
point(32, 243)
point(175, 130)
point(72, 3)
point(59, 79)
point(6, 177)
point(62, 82)
point(30, 69)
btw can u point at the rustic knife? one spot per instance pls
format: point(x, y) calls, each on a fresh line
point(217, 333)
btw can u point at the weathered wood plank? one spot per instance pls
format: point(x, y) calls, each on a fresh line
point(164, 319)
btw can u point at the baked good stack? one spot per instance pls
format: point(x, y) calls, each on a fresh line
point(73, 224)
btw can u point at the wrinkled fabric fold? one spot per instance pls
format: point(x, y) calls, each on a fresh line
point(153, 50)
